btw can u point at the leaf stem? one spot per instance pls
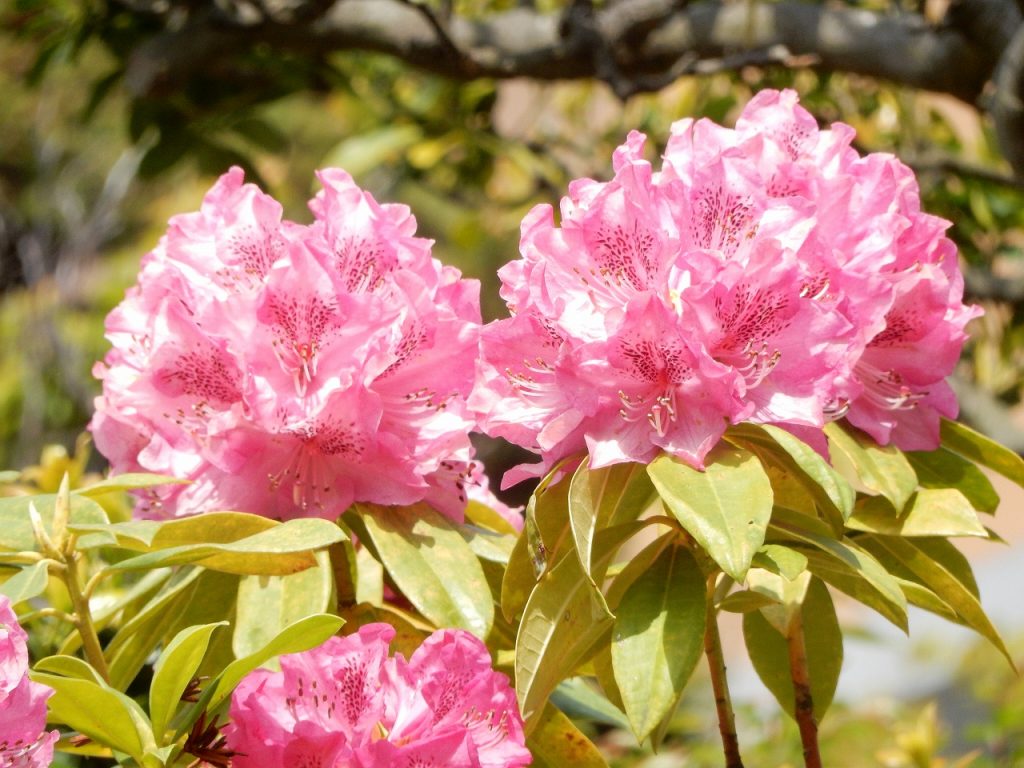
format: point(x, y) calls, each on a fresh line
point(803, 705)
point(83, 617)
point(716, 663)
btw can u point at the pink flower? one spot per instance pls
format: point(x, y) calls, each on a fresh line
point(347, 703)
point(24, 742)
point(766, 273)
point(289, 370)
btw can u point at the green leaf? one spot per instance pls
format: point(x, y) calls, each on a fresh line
point(173, 671)
point(658, 637)
point(518, 581)
point(129, 481)
point(27, 583)
point(268, 604)
point(832, 493)
point(140, 634)
point(485, 517)
point(769, 651)
point(931, 512)
point(99, 712)
point(16, 529)
point(942, 468)
point(69, 666)
point(726, 508)
point(744, 601)
point(556, 743)
point(578, 699)
point(975, 447)
point(564, 619)
point(285, 548)
point(431, 564)
point(301, 636)
point(547, 519)
point(882, 469)
point(602, 498)
point(849, 568)
point(938, 566)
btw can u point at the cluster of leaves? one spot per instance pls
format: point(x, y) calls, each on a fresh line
point(601, 608)
point(761, 532)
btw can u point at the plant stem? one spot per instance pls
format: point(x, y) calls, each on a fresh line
point(803, 704)
point(83, 618)
point(716, 663)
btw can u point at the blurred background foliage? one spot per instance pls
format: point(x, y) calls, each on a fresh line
point(90, 174)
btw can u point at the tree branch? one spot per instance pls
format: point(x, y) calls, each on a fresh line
point(637, 40)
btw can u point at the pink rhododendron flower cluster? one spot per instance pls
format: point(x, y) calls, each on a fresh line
point(766, 273)
point(24, 742)
point(347, 703)
point(287, 369)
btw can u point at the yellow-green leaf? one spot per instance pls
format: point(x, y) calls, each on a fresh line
point(726, 507)
point(658, 637)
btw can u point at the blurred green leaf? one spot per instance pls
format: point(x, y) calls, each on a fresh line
point(27, 583)
point(16, 528)
point(975, 447)
point(937, 565)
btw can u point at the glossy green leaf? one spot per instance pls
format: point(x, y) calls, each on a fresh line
point(128, 481)
point(301, 636)
point(547, 519)
point(602, 498)
point(930, 512)
point(172, 672)
point(658, 637)
point(69, 666)
point(563, 620)
point(938, 566)
point(27, 583)
point(16, 528)
point(943, 468)
point(726, 508)
point(830, 490)
point(280, 550)
point(556, 742)
point(769, 651)
point(547, 526)
point(432, 565)
point(141, 633)
point(975, 447)
point(882, 469)
point(101, 713)
point(268, 604)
